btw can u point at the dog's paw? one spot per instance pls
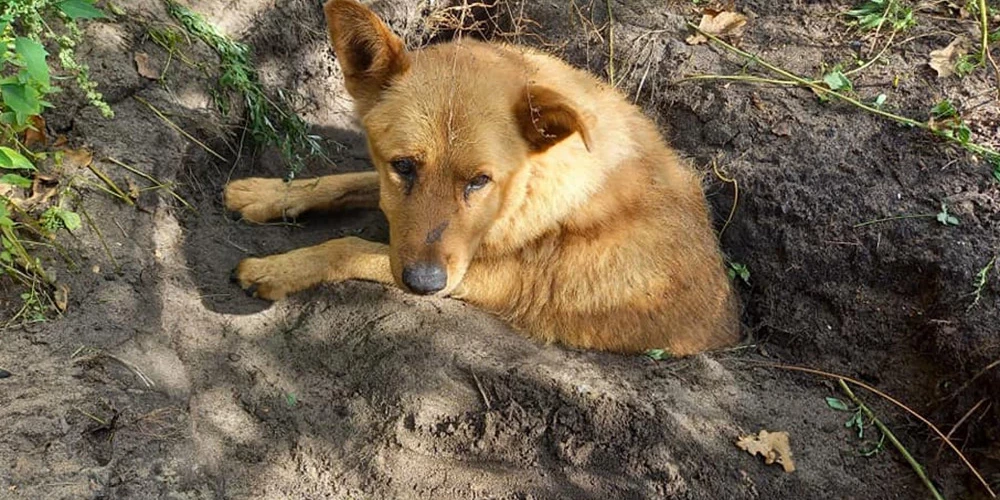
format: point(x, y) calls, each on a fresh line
point(261, 200)
point(268, 278)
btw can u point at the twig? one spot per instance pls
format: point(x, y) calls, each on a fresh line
point(741, 78)
point(179, 129)
point(892, 400)
point(959, 424)
point(157, 183)
point(736, 195)
point(898, 217)
point(919, 469)
point(481, 391)
point(117, 191)
point(611, 45)
point(100, 236)
point(985, 28)
point(969, 382)
point(827, 92)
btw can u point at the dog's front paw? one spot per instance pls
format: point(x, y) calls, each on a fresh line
point(261, 200)
point(269, 278)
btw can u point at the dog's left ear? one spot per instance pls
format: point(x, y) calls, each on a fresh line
point(546, 117)
point(370, 54)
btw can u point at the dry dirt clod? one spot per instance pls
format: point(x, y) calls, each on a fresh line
point(773, 446)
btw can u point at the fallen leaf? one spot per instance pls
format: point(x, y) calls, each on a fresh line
point(77, 158)
point(943, 60)
point(773, 446)
point(43, 188)
point(36, 134)
point(61, 296)
point(145, 67)
point(718, 23)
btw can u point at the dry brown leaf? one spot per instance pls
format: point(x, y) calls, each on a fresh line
point(773, 446)
point(36, 134)
point(718, 23)
point(43, 188)
point(61, 296)
point(943, 60)
point(77, 158)
point(145, 67)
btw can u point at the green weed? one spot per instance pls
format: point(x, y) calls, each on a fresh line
point(270, 123)
point(979, 284)
point(737, 270)
point(857, 422)
point(28, 29)
point(876, 14)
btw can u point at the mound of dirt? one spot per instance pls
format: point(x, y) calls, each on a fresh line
point(165, 380)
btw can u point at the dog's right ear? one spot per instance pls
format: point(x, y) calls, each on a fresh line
point(370, 54)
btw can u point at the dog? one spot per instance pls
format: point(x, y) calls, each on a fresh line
point(516, 183)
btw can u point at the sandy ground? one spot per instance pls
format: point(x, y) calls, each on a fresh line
point(359, 391)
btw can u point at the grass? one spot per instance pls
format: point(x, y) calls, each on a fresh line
point(270, 122)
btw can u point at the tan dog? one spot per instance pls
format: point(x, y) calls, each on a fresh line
point(514, 182)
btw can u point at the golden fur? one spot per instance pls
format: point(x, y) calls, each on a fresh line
point(588, 229)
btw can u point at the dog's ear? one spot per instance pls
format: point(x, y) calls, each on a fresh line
point(370, 54)
point(546, 117)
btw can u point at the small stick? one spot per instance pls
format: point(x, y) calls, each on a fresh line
point(959, 424)
point(969, 382)
point(898, 217)
point(919, 469)
point(111, 184)
point(157, 183)
point(179, 129)
point(611, 45)
point(481, 391)
point(892, 400)
point(736, 195)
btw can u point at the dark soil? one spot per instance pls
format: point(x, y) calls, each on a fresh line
point(360, 391)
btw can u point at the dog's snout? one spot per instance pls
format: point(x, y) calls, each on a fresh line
point(425, 278)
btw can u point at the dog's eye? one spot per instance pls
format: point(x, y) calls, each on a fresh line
point(405, 167)
point(477, 183)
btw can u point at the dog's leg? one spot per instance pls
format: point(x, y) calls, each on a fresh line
point(275, 277)
point(261, 200)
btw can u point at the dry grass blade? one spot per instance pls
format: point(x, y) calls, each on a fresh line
point(892, 400)
point(179, 129)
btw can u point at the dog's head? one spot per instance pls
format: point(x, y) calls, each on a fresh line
point(450, 130)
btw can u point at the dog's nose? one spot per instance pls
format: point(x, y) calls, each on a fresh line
point(425, 278)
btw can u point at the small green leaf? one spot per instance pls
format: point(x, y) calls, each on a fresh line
point(944, 109)
point(658, 354)
point(80, 9)
point(837, 404)
point(837, 81)
point(291, 399)
point(12, 160)
point(21, 98)
point(15, 180)
point(996, 171)
point(71, 220)
point(880, 100)
point(33, 54)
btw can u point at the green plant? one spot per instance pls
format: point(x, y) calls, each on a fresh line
point(27, 27)
point(945, 218)
point(874, 14)
point(857, 422)
point(270, 123)
point(658, 354)
point(735, 269)
point(979, 284)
